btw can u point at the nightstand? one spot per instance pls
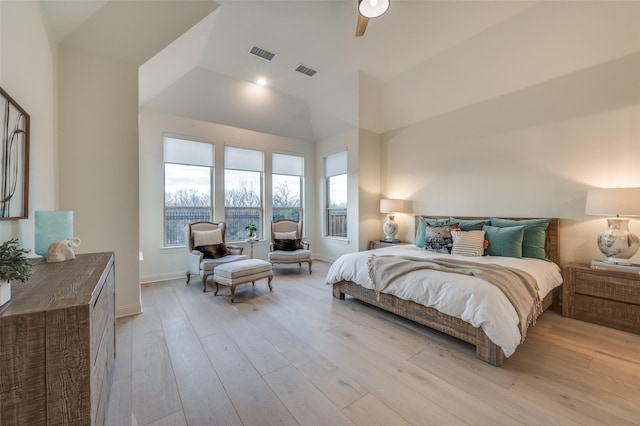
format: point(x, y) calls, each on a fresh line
point(379, 244)
point(606, 297)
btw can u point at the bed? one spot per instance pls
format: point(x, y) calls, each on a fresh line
point(465, 307)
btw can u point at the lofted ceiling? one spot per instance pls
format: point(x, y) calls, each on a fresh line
point(194, 61)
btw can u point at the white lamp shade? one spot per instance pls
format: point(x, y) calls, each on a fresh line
point(372, 8)
point(613, 202)
point(392, 206)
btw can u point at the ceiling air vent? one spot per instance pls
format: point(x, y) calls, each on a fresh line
point(306, 70)
point(262, 53)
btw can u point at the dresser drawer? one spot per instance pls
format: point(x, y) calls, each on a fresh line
point(616, 288)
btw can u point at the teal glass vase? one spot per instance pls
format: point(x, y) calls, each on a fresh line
point(52, 226)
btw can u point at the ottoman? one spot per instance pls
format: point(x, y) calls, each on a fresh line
point(241, 272)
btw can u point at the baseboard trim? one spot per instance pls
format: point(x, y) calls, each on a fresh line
point(125, 311)
point(162, 277)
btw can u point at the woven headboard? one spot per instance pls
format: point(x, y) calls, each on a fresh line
point(551, 246)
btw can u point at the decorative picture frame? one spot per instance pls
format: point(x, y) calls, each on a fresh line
point(14, 159)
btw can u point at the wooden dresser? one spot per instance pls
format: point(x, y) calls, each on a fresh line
point(606, 297)
point(57, 343)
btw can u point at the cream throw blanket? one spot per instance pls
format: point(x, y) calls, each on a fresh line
point(518, 286)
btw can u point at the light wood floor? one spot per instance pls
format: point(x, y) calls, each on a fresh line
point(298, 356)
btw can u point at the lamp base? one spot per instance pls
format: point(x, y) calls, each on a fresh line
point(390, 228)
point(617, 243)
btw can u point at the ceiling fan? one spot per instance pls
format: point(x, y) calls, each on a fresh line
point(368, 9)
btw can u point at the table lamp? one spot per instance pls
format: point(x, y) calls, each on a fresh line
point(617, 243)
point(390, 227)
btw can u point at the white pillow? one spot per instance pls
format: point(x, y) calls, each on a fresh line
point(207, 238)
point(468, 243)
point(291, 235)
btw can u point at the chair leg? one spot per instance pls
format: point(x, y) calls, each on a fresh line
point(310, 266)
point(204, 281)
point(188, 277)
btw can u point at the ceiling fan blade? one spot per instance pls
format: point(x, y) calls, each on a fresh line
point(361, 25)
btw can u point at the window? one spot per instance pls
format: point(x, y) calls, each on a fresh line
point(336, 195)
point(286, 191)
point(188, 183)
point(242, 191)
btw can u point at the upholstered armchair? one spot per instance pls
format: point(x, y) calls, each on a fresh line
point(206, 248)
point(287, 245)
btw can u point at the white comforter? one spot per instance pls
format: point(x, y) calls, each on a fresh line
point(463, 296)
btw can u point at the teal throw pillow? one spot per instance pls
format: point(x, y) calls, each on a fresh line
point(506, 242)
point(534, 235)
point(470, 225)
point(422, 225)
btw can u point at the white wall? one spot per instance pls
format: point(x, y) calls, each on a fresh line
point(99, 161)
point(162, 263)
point(369, 220)
point(356, 105)
point(532, 153)
point(545, 41)
point(28, 73)
point(330, 248)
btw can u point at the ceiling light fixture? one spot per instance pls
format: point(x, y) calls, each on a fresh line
point(372, 8)
point(261, 82)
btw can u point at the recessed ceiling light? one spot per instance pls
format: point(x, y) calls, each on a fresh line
point(261, 82)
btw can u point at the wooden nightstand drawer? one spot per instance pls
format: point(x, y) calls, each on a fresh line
point(610, 313)
point(615, 288)
point(380, 244)
point(606, 297)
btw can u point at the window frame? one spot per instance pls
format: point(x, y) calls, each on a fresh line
point(293, 172)
point(261, 194)
point(336, 166)
point(210, 209)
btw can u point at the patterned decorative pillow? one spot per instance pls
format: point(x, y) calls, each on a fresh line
point(423, 221)
point(287, 244)
point(214, 251)
point(438, 238)
point(468, 243)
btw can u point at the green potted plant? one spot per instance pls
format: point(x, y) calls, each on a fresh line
point(251, 230)
point(14, 265)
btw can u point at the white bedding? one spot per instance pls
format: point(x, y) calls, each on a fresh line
point(463, 296)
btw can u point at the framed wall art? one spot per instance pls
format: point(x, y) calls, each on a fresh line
point(14, 159)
